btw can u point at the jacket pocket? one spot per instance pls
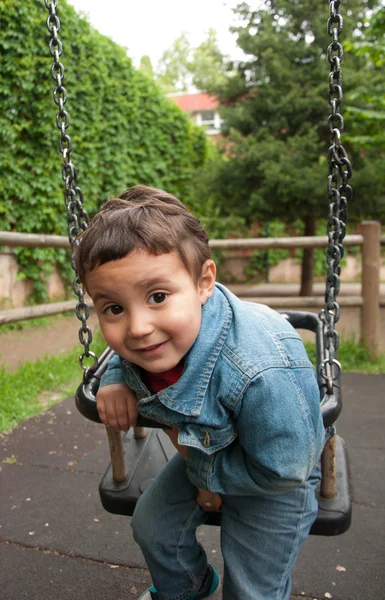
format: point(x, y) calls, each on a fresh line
point(206, 439)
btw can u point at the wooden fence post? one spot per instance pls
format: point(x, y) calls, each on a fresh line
point(371, 256)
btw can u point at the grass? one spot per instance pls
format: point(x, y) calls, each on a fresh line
point(37, 385)
point(354, 357)
point(36, 322)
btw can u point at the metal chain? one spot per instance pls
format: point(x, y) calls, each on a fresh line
point(340, 194)
point(73, 196)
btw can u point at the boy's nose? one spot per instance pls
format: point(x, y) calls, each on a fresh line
point(139, 326)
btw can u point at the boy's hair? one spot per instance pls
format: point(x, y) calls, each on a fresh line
point(146, 218)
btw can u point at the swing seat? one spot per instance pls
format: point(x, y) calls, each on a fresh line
point(146, 457)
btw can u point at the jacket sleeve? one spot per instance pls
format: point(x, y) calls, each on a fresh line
point(115, 372)
point(280, 438)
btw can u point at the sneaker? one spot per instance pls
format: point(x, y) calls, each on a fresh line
point(211, 584)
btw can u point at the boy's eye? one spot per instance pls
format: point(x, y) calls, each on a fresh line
point(114, 309)
point(157, 298)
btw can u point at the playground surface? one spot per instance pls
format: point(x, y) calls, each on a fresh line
point(57, 542)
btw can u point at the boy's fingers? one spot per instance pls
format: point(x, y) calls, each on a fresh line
point(209, 501)
point(126, 412)
point(116, 405)
point(111, 415)
point(101, 409)
point(132, 409)
point(122, 417)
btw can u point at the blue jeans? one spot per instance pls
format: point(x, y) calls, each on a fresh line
point(260, 537)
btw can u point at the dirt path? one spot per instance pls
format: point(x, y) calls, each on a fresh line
point(35, 342)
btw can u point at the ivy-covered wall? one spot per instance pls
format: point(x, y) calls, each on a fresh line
point(123, 130)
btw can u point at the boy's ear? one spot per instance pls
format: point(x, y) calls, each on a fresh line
point(206, 282)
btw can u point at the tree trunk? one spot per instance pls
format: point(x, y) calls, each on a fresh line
point(307, 274)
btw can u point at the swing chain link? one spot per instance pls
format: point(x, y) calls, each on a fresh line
point(340, 194)
point(76, 215)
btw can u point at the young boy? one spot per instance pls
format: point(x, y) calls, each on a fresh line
point(230, 379)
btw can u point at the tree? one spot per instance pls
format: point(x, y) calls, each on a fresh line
point(123, 130)
point(173, 72)
point(276, 107)
point(146, 66)
point(366, 105)
point(182, 66)
point(208, 65)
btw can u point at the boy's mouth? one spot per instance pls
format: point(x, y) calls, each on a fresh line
point(152, 350)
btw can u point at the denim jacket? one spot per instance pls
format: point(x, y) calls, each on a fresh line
point(247, 404)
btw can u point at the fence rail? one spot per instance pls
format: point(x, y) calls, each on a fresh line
point(369, 241)
point(31, 240)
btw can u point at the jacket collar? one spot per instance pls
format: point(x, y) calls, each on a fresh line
point(187, 395)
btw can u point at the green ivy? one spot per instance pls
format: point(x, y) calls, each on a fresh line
point(123, 130)
point(262, 260)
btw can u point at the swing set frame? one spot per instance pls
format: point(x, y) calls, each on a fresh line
point(146, 453)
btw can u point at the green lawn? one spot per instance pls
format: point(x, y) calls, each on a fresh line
point(354, 357)
point(35, 386)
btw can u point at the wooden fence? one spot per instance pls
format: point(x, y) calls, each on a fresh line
point(369, 241)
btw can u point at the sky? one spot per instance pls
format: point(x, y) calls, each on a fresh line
point(149, 27)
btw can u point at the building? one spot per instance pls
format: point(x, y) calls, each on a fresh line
point(202, 109)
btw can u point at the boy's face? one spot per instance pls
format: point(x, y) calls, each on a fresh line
point(149, 307)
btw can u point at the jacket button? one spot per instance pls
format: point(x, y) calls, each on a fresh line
point(206, 440)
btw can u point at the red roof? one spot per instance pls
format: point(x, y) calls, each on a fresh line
point(195, 102)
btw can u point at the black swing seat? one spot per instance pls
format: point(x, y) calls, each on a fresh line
point(146, 457)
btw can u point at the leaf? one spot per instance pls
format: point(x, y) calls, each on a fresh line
point(340, 568)
point(119, 123)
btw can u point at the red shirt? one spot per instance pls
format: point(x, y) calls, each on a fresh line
point(158, 381)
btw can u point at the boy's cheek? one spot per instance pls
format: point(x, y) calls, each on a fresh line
point(113, 338)
point(106, 333)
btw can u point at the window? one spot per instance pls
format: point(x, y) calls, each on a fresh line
point(210, 121)
point(208, 117)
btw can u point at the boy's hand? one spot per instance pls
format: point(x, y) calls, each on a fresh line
point(209, 501)
point(116, 405)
